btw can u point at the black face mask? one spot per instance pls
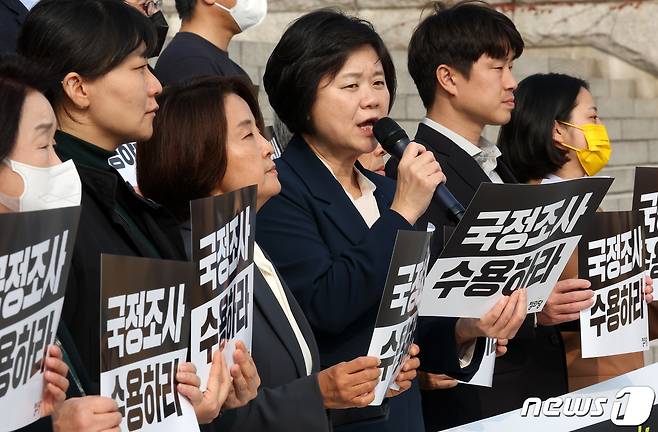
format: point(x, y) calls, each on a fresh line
point(161, 27)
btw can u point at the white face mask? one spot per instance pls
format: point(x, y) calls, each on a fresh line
point(247, 13)
point(44, 188)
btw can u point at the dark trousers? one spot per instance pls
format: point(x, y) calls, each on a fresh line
point(405, 415)
point(537, 367)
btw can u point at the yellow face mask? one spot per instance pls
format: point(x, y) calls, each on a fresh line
point(597, 153)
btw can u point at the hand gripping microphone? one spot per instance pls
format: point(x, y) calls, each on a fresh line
point(395, 140)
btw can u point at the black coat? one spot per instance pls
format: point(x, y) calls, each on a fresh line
point(141, 228)
point(535, 363)
point(12, 16)
point(288, 400)
point(336, 267)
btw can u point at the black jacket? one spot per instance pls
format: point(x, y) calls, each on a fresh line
point(534, 364)
point(189, 56)
point(336, 266)
point(113, 220)
point(288, 400)
point(12, 16)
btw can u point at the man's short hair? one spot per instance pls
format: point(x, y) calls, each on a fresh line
point(457, 37)
point(185, 8)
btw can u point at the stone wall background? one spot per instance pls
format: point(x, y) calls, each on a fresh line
point(611, 44)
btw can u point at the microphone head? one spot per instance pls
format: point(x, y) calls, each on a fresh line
point(388, 132)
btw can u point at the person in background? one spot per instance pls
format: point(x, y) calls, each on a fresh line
point(200, 48)
point(563, 138)
point(550, 141)
point(212, 127)
point(153, 10)
point(461, 60)
point(468, 84)
point(12, 16)
point(375, 160)
point(332, 229)
point(101, 99)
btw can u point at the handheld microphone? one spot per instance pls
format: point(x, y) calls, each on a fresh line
point(395, 140)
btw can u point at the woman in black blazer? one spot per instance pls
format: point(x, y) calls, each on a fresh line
point(332, 228)
point(210, 131)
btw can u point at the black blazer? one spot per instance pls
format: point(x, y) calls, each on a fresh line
point(288, 400)
point(333, 263)
point(12, 16)
point(535, 363)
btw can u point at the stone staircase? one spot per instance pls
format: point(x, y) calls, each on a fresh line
point(627, 99)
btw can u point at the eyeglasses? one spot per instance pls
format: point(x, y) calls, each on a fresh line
point(152, 6)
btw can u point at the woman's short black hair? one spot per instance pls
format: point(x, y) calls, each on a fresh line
point(17, 77)
point(314, 46)
point(185, 8)
point(90, 37)
point(186, 158)
point(527, 140)
point(457, 37)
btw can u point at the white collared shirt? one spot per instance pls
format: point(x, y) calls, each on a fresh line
point(366, 204)
point(551, 178)
point(488, 165)
point(269, 273)
point(485, 153)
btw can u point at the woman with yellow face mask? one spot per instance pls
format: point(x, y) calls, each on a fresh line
point(555, 131)
point(555, 134)
point(596, 151)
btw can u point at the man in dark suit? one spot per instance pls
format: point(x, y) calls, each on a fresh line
point(12, 15)
point(461, 62)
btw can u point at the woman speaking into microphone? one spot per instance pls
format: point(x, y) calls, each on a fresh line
point(332, 229)
point(209, 129)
